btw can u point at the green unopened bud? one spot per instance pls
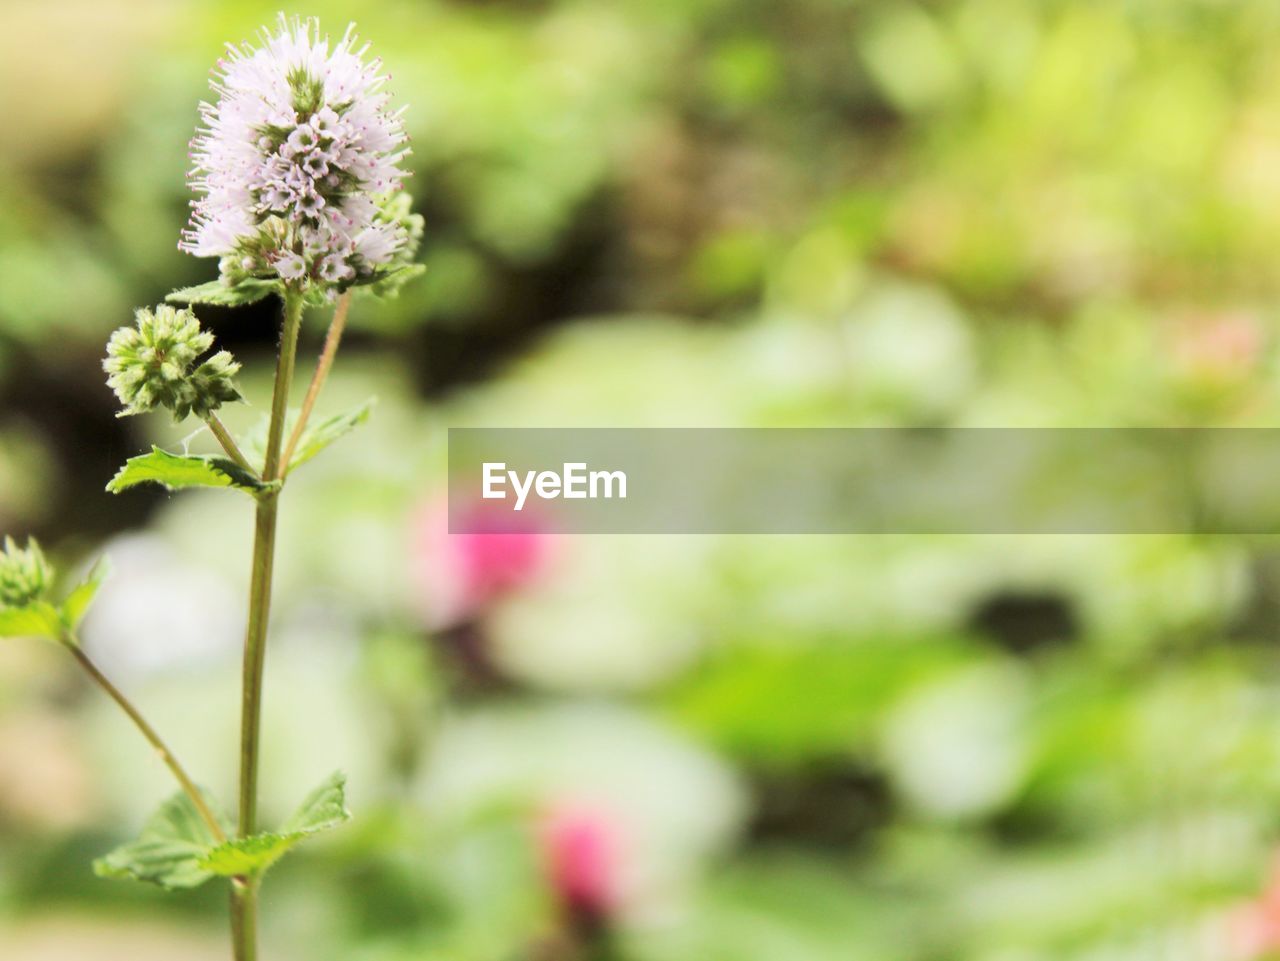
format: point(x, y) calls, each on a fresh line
point(213, 382)
point(25, 576)
point(308, 92)
point(397, 208)
point(150, 365)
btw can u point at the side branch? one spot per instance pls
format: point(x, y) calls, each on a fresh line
point(323, 366)
point(228, 442)
point(148, 732)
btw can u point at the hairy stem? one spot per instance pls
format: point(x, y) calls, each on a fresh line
point(244, 894)
point(228, 442)
point(323, 366)
point(154, 739)
point(244, 919)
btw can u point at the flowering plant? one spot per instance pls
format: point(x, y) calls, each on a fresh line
point(297, 171)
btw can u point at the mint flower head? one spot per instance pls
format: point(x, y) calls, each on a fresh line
point(153, 364)
point(296, 162)
point(25, 576)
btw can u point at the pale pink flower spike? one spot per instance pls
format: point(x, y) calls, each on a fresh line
point(295, 161)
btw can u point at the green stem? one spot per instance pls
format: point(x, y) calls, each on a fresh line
point(244, 919)
point(228, 442)
point(154, 739)
point(323, 366)
point(244, 894)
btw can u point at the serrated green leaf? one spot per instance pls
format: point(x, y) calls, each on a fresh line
point(37, 619)
point(169, 850)
point(217, 294)
point(175, 471)
point(245, 857)
point(77, 603)
point(324, 808)
point(319, 436)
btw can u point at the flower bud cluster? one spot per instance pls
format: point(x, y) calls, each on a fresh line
point(25, 576)
point(153, 365)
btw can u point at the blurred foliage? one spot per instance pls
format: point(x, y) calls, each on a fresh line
point(683, 213)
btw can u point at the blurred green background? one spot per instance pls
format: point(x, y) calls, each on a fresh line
point(675, 213)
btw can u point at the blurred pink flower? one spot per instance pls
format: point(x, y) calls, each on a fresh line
point(1253, 930)
point(1219, 346)
point(458, 575)
point(583, 850)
